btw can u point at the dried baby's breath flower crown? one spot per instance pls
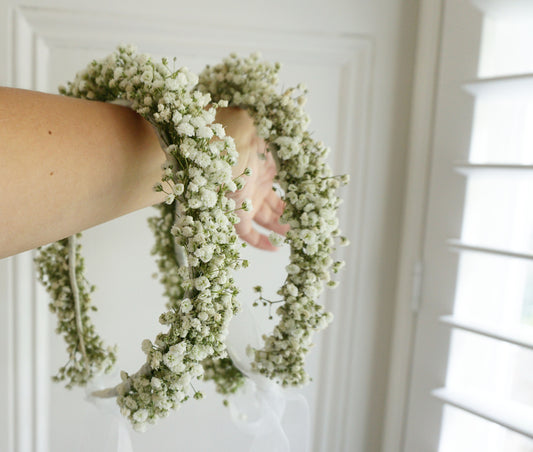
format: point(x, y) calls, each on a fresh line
point(310, 206)
point(196, 243)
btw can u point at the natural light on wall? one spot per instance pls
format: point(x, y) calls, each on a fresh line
point(490, 369)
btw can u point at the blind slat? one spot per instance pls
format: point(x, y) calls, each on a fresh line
point(511, 415)
point(519, 87)
point(457, 245)
point(473, 169)
point(507, 336)
point(512, 10)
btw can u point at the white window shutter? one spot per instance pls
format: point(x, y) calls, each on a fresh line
point(471, 377)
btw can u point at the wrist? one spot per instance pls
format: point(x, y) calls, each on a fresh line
point(151, 157)
point(239, 125)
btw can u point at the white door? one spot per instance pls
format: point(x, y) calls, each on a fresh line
point(330, 48)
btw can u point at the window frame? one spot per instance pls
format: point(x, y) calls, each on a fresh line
point(448, 36)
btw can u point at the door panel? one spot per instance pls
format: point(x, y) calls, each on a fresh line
point(48, 46)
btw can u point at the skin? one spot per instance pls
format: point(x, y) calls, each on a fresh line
point(267, 205)
point(69, 164)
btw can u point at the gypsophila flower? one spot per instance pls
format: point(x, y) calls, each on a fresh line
point(310, 207)
point(246, 205)
point(186, 129)
point(146, 346)
point(87, 354)
point(276, 239)
point(196, 244)
point(164, 98)
point(170, 198)
point(186, 306)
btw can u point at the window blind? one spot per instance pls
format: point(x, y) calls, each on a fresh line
point(490, 366)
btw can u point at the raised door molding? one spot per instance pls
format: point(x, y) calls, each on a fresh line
point(25, 374)
point(410, 270)
point(41, 37)
point(7, 344)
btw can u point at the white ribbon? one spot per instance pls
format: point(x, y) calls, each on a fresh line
point(277, 418)
point(117, 437)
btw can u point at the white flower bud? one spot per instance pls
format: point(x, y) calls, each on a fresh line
point(276, 239)
point(246, 205)
point(146, 347)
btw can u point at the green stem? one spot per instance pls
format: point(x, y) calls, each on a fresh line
point(76, 295)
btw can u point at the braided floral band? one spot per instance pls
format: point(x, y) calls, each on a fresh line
point(196, 245)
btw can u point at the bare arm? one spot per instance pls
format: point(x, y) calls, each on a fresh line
point(68, 164)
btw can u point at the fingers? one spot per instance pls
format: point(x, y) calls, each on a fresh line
point(275, 202)
point(268, 206)
point(270, 169)
point(269, 219)
point(252, 236)
point(264, 217)
point(275, 226)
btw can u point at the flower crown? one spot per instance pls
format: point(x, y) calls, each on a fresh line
point(195, 240)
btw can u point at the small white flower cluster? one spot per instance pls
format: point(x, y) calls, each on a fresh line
point(195, 236)
point(52, 264)
point(311, 205)
point(195, 240)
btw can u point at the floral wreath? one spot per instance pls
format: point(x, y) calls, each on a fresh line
point(195, 238)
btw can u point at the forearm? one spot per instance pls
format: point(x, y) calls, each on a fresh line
point(69, 164)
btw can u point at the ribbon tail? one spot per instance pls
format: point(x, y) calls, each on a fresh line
point(297, 422)
point(115, 436)
point(124, 438)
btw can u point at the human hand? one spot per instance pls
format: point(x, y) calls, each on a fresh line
point(267, 206)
